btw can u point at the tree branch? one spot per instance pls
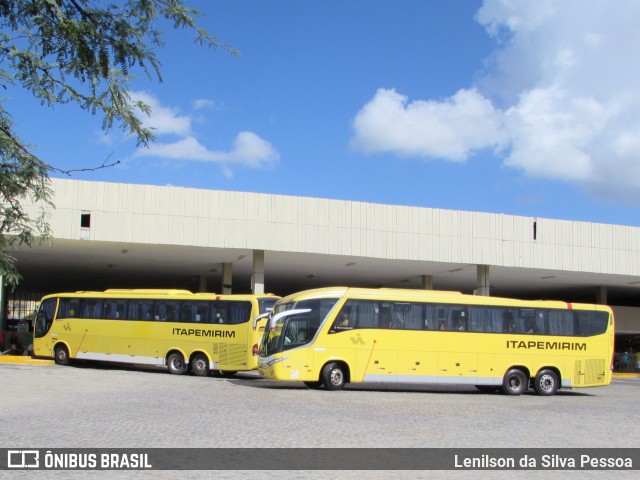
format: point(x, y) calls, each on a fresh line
point(105, 164)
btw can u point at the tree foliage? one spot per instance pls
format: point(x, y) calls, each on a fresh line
point(73, 51)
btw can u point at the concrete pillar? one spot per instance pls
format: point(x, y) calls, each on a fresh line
point(227, 278)
point(427, 282)
point(601, 296)
point(483, 282)
point(257, 277)
point(202, 288)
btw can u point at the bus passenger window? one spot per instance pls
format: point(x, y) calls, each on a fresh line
point(341, 323)
point(167, 311)
point(295, 333)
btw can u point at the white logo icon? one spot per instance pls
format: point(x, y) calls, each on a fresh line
point(23, 459)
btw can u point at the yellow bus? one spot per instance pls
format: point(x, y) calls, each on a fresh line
point(177, 329)
point(329, 337)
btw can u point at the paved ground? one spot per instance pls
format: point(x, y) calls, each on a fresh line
point(108, 407)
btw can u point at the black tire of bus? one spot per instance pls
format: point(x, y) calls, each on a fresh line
point(61, 355)
point(334, 376)
point(176, 363)
point(515, 382)
point(546, 382)
point(200, 365)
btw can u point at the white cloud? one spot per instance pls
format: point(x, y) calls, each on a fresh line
point(560, 94)
point(248, 150)
point(162, 119)
point(202, 103)
point(450, 129)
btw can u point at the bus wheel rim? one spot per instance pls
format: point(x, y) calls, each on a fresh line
point(336, 377)
point(199, 365)
point(547, 382)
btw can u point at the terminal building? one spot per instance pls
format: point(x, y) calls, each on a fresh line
point(113, 235)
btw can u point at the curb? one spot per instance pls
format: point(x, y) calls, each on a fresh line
point(24, 360)
point(626, 375)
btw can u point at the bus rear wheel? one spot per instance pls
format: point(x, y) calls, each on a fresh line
point(200, 365)
point(515, 382)
point(176, 363)
point(333, 376)
point(61, 355)
point(546, 382)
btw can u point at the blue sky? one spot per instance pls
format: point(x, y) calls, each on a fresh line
point(516, 107)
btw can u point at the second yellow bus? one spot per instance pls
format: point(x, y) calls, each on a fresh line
point(329, 337)
point(184, 331)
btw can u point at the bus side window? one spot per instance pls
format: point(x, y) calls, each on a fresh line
point(115, 309)
point(238, 312)
point(342, 321)
point(218, 312)
point(91, 308)
point(296, 332)
point(69, 308)
point(189, 312)
point(44, 317)
point(385, 318)
point(443, 323)
point(166, 311)
point(194, 312)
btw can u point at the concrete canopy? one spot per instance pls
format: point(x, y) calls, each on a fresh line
point(139, 236)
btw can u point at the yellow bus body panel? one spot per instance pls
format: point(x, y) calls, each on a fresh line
point(444, 357)
point(228, 347)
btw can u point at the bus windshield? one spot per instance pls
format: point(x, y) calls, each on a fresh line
point(297, 329)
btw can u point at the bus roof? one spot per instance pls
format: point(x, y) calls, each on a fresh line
point(443, 296)
point(154, 293)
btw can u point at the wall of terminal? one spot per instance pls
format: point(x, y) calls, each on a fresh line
point(109, 214)
point(182, 216)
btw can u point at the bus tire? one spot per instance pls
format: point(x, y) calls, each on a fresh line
point(515, 382)
point(200, 365)
point(61, 355)
point(176, 363)
point(313, 384)
point(546, 382)
point(334, 376)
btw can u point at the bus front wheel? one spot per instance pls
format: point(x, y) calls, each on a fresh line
point(176, 363)
point(546, 382)
point(61, 355)
point(334, 376)
point(200, 365)
point(515, 382)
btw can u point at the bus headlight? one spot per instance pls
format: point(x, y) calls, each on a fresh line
point(273, 361)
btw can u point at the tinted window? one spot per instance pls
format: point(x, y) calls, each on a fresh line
point(69, 308)
point(195, 312)
point(91, 308)
point(230, 312)
point(167, 311)
point(115, 309)
point(140, 310)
